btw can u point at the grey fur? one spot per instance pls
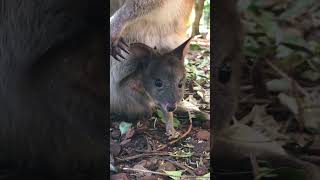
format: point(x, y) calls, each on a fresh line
point(145, 67)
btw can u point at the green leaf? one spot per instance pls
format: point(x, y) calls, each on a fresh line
point(244, 5)
point(296, 9)
point(292, 36)
point(174, 174)
point(195, 47)
point(281, 173)
point(268, 24)
point(283, 51)
point(113, 168)
point(181, 153)
point(124, 127)
point(176, 122)
point(201, 117)
point(204, 177)
point(265, 172)
point(160, 115)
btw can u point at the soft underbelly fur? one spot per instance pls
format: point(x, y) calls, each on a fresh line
point(150, 35)
point(163, 28)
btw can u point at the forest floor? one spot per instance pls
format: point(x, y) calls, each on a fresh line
point(280, 83)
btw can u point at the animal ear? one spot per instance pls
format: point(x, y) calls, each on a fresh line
point(140, 50)
point(182, 50)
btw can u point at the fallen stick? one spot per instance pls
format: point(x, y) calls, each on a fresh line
point(184, 135)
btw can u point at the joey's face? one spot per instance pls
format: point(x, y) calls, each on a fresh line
point(163, 76)
point(164, 80)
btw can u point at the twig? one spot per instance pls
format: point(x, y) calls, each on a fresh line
point(299, 117)
point(158, 173)
point(246, 88)
point(182, 167)
point(255, 166)
point(199, 85)
point(311, 158)
point(255, 101)
point(142, 155)
point(184, 135)
point(284, 75)
point(152, 153)
point(295, 86)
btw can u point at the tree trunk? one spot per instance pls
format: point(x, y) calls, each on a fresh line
point(199, 5)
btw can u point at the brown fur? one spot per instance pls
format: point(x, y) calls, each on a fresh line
point(160, 23)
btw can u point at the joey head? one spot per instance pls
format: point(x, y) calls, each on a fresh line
point(148, 79)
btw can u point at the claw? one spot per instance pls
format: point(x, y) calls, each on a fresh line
point(116, 47)
point(120, 55)
point(124, 46)
point(114, 52)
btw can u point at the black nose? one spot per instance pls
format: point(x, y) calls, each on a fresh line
point(171, 107)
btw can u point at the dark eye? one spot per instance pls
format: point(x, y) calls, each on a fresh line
point(180, 85)
point(158, 83)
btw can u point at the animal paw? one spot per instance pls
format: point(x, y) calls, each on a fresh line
point(116, 47)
